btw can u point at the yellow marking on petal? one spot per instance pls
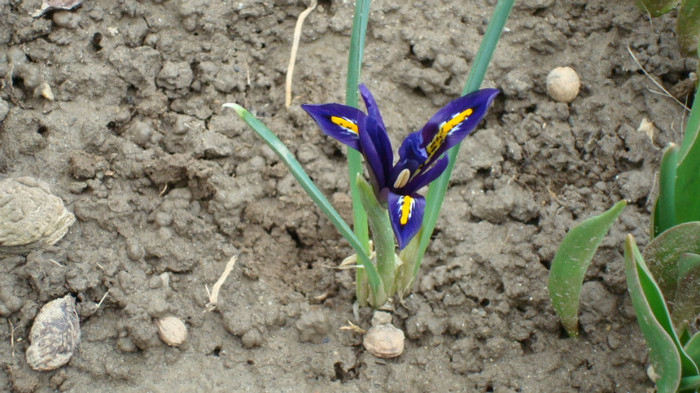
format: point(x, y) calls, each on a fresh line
point(406, 205)
point(345, 123)
point(402, 179)
point(445, 129)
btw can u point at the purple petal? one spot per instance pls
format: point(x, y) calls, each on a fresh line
point(455, 121)
point(371, 105)
point(425, 177)
point(376, 148)
point(338, 121)
point(406, 216)
point(411, 156)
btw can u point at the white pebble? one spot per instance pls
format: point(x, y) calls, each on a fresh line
point(563, 84)
point(384, 341)
point(171, 330)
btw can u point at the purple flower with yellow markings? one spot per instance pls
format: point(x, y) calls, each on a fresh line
point(421, 159)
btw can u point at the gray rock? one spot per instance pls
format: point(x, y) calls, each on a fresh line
point(30, 216)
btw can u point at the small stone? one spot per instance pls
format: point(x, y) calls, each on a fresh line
point(55, 335)
point(384, 341)
point(171, 330)
point(381, 318)
point(563, 84)
point(45, 91)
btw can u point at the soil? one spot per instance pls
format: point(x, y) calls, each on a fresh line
point(167, 187)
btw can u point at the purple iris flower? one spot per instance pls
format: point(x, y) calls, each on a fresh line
point(421, 158)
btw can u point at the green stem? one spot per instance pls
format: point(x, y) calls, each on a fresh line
point(381, 233)
point(436, 191)
point(359, 217)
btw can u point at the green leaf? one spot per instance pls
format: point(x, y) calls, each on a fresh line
point(687, 178)
point(319, 199)
point(663, 254)
point(436, 191)
point(692, 348)
point(688, 27)
point(357, 42)
point(382, 234)
point(656, 7)
point(571, 261)
point(686, 305)
point(663, 353)
point(665, 209)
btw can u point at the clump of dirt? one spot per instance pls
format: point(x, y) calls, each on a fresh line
point(166, 188)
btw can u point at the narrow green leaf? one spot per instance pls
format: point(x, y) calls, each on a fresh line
point(665, 208)
point(662, 254)
point(687, 178)
point(436, 191)
point(571, 261)
point(406, 271)
point(688, 27)
point(382, 234)
point(656, 7)
point(319, 199)
point(664, 356)
point(689, 384)
point(692, 348)
point(357, 41)
point(359, 217)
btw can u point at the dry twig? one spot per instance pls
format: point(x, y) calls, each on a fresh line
point(654, 80)
point(293, 56)
point(214, 294)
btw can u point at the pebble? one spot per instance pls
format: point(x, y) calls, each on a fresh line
point(384, 341)
point(55, 335)
point(32, 216)
point(171, 330)
point(563, 84)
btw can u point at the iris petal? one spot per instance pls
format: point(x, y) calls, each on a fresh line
point(405, 215)
point(424, 177)
point(338, 121)
point(454, 121)
point(376, 148)
point(371, 105)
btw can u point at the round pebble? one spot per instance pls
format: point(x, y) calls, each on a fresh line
point(384, 341)
point(563, 84)
point(171, 330)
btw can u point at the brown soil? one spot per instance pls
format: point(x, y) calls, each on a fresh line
point(166, 187)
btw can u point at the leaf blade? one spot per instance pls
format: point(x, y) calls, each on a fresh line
point(319, 199)
point(663, 354)
point(571, 261)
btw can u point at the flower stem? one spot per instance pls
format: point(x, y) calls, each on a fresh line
point(359, 217)
point(382, 235)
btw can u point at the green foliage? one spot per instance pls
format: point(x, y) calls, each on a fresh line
point(374, 284)
point(571, 261)
point(664, 283)
point(664, 213)
point(687, 185)
point(688, 27)
point(359, 216)
point(382, 234)
point(674, 270)
point(664, 356)
point(300, 175)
